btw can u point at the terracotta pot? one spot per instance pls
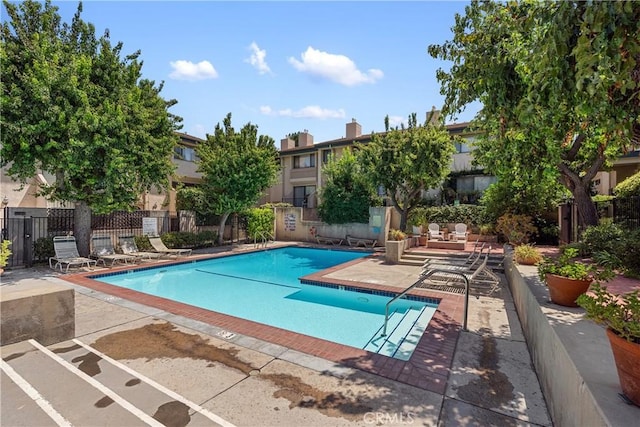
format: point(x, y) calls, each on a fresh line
point(565, 291)
point(626, 354)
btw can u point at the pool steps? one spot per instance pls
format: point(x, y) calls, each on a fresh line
point(406, 329)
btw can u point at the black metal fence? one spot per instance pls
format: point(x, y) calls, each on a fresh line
point(626, 212)
point(30, 235)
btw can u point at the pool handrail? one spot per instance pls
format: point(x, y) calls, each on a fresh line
point(423, 277)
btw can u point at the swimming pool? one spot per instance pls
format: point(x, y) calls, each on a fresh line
point(265, 287)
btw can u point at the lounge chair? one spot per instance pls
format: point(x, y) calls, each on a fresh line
point(104, 251)
point(435, 233)
point(336, 241)
point(67, 254)
point(478, 276)
point(359, 241)
point(157, 244)
point(129, 247)
point(460, 232)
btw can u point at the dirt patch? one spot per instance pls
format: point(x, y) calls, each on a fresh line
point(160, 340)
point(302, 395)
point(88, 363)
point(493, 387)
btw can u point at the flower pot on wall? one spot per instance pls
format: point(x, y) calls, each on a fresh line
point(626, 355)
point(564, 291)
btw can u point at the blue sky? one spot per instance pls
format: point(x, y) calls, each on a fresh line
point(285, 66)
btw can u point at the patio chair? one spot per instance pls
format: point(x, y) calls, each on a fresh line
point(460, 232)
point(322, 240)
point(104, 251)
point(67, 254)
point(129, 247)
point(359, 241)
point(435, 233)
point(159, 246)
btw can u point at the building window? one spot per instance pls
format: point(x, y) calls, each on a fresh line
point(306, 161)
point(462, 147)
point(301, 195)
point(185, 153)
point(326, 156)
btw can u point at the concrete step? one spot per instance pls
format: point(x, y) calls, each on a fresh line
point(98, 390)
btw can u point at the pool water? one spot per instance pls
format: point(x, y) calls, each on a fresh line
point(264, 287)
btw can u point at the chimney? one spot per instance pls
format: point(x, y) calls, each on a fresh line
point(286, 144)
point(305, 139)
point(433, 116)
point(354, 129)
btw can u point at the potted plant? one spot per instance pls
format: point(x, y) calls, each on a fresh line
point(621, 316)
point(5, 253)
point(395, 245)
point(568, 277)
point(526, 254)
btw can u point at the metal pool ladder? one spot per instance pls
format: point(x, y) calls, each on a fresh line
point(264, 236)
point(422, 279)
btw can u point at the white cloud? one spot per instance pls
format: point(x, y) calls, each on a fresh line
point(337, 68)
point(257, 59)
point(308, 112)
point(187, 70)
point(397, 121)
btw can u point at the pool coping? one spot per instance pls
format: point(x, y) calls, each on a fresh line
point(428, 367)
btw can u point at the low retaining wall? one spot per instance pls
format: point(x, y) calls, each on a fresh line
point(569, 400)
point(45, 313)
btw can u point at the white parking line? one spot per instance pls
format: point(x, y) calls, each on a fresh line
point(34, 395)
point(106, 390)
point(213, 417)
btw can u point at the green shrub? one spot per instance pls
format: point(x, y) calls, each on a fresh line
point(260, 221)
point(43, 249)
point(142, 242)
point(629, 253)
point(629, 187)
point(467, 214)
point(605, 236)
point(5, 253)
point(185, 239)
point(516, 229)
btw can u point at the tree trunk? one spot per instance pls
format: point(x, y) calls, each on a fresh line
point(223, 223)
point(82, 227)
point(586, 207)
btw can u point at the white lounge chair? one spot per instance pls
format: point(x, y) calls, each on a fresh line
point(104, 251)
point(67, 254)
point(159, 246)
point(329, 240)
point(359, 241)
point(435, 233)
point(460, 232)
point(129, 247)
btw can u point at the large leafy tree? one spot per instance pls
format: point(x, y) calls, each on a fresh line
point(559, 83)
point(237, 167)
point(347, 194)
point(407, 160)
point(74, 107)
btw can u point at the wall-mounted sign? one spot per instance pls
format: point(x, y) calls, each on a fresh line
point(290, 222)
point(150, 226)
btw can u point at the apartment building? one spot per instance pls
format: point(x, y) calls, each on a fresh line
point(301, 177)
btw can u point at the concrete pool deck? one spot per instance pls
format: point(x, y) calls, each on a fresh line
point(487, 378)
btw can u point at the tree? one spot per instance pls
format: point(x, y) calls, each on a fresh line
point(559, 84)
point(237, 167)
point(71, 106)
point(407, 161)
point(347, 194)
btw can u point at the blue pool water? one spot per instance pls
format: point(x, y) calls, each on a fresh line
point(264, 287)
